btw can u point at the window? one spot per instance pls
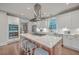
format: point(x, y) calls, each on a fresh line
point(53, 24)
point(13, 31)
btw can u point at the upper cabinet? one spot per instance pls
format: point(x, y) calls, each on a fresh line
point(13, 20)
point(69, 20)
point(75, 19)
point(64, 20)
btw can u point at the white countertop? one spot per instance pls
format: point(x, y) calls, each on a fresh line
point(47, 40)
point(9, 41)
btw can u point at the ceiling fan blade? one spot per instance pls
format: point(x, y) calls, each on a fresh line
point(44, 18)
point(32, 19)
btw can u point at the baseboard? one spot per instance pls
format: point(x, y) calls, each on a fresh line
point(3, 44)
point(71, 48)
point(8, 42)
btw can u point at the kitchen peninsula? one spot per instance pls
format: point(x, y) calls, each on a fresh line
point(52, 44)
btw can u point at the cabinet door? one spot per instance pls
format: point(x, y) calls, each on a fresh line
point(75, 19)
point(71, 41)
point(75, 42)
point(67, 40)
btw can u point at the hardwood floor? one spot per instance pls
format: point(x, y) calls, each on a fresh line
point(67, 51)
point(14, 49)
point(10, 49)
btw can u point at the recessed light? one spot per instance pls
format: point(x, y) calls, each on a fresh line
point(67, 3)
point(28, 8)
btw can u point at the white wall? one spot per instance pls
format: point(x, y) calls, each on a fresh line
point(3, 27)
point(70, 20)
point(13, 20)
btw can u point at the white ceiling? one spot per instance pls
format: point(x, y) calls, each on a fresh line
point(23, 8)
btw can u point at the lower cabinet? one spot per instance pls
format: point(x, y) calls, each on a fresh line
point(71, 41)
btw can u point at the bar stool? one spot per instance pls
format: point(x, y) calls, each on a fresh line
point(40, 51)
point(31, 47)
point(28, 47)
point(23, 44)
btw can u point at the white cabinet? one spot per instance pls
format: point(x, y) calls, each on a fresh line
point(69, 20)
point(5, 20)
point(13, 20)
point(75, 19)
point(64, 20)
point(71, 41)
point(3, 27)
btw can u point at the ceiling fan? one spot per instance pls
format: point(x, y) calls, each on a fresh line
point(37, 13)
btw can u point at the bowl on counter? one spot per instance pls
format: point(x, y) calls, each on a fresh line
point(41, 31)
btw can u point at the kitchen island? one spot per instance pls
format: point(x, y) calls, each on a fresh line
point(50, 43)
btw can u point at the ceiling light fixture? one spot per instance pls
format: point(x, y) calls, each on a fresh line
point(67, 3)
